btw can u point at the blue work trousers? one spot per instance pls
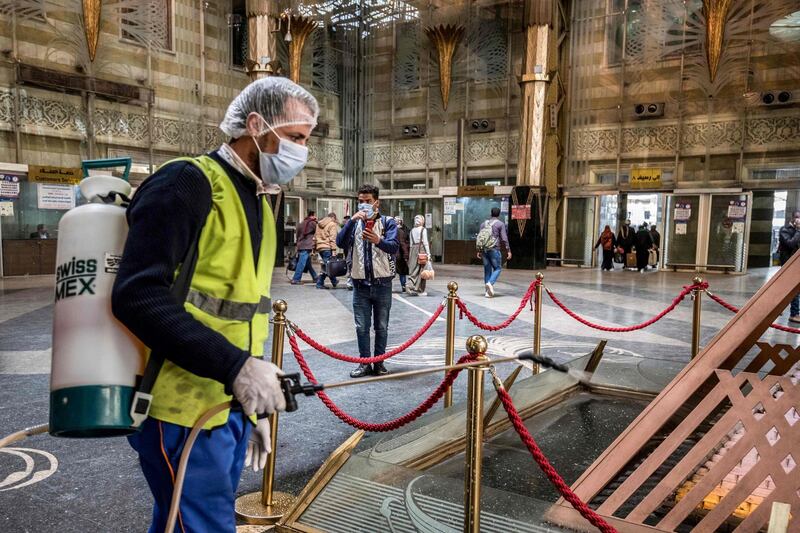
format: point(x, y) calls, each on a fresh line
point(212, 473)
point(303, 265)
point(372, 303)
point(492, 265)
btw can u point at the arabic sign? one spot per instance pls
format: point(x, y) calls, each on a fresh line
point(645, 178)
point(737, 209)
point(683, 212)
point(476, 190)
point(55, 196)
point(9, 186)
point(520, 212)
point(47, 174)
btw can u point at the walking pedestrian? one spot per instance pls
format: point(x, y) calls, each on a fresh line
point(403, 254)
point(788, 244)
point(348, 258)
point(372, 241)
point(325, 243)
point(626, 238)
point(305, 245)
point(608, 243)
point(419, 256)
point(656, 243)
point(643, 244)
point(491, 236)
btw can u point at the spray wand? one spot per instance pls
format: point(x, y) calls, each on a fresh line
point(292, 386)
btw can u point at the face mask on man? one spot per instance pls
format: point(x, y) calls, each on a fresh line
point(368, 209)
point(282, 167)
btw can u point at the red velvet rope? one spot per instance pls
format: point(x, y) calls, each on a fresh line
point(369, 360)
point(551, 473)
point(678, 299)
point(391, 425)
point(462, 307)
point(735, 309)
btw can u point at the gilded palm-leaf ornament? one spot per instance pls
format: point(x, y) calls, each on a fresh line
point(91, 24)
point(716, 15)
point(445, 37)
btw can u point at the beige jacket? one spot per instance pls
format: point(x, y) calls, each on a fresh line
point(325, 236)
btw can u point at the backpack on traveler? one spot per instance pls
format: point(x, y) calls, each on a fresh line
point(607, 241)
point(486, 239)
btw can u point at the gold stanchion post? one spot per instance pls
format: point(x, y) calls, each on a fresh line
point(697, 296)
point(537, 322)
point(476, 345)
point(450, 339)
point(267, 506)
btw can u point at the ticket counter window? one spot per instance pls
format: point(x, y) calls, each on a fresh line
point(29, 226)
point(463, 217)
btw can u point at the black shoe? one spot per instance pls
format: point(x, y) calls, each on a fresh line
point(380, 370)
point(361, 371)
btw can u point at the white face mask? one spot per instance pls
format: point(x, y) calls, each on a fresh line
point(282, 167)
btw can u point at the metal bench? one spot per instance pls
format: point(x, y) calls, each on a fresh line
point(561, 261)
point(727, 269)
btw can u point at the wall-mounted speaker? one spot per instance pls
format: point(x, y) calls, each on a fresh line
point(651, 110)
point(481, 125)
point(413, 130)
point(773, 98)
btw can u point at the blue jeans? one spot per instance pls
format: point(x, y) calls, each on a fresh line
point(372, 303)
point(794, 307)
point(303, 265)
point(212, 474)
point(403, 279)
point(492, 265)
point(325, 255)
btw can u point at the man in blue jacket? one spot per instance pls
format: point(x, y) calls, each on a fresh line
point(371, 240)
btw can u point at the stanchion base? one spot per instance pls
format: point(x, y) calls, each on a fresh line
point(255, 529)
point(250, 510)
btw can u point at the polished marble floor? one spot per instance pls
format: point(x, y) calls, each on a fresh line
point(95, 484)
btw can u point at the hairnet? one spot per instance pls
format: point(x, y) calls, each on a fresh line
point(278, 100)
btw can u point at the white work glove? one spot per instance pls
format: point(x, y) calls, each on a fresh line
point(259, 446)
point(258, 388)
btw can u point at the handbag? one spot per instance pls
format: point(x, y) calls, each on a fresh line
point(335, 267)
point(652, 258)
point(422, 257)
point(630, 260)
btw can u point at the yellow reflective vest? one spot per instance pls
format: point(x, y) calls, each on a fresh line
point(227, 294)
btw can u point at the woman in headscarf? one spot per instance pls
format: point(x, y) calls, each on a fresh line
point(418, 240)
point(401, 263)
point(644, 241)
point(608, 242)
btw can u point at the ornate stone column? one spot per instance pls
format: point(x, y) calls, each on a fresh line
point(533, 92)
point(262, 52)
point(531, 227)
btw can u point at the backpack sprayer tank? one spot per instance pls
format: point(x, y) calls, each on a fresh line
point(95, 358)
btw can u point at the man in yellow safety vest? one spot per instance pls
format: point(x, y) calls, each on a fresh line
point(208, 217)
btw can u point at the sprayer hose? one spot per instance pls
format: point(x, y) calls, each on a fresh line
point(27, 432)
point(187, 448)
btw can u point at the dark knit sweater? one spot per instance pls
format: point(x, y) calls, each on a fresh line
point(166, 214)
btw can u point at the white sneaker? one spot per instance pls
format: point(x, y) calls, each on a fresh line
point(489, 290)
point(487, 295)
point(422, 294)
